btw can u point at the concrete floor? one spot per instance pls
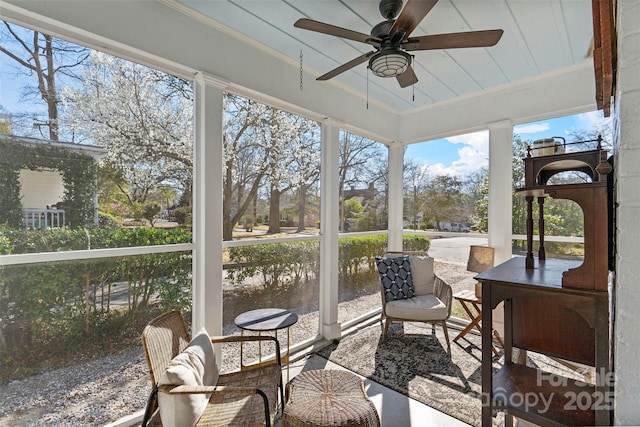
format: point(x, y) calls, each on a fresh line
point(394, 409)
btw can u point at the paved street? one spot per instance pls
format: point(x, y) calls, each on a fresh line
point(454, 249)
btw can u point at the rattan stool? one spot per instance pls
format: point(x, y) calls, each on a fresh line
point(328, 398)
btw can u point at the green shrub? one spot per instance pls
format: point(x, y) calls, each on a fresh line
point(415, 242)
point(277, 264)
point(555, 249)
point(106, 220)
point(150, 212)
point(357, 253)
point(54, 298)
point(46, 240)
point(183, 216)
point(78, 176)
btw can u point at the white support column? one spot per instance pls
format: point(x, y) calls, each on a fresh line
point(329, 219)
point(500, 188)
point(207, 205)
point(500, 200)
point(395, 196)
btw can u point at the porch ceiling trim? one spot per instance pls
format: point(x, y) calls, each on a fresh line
point(156, 34)
point(564, 92)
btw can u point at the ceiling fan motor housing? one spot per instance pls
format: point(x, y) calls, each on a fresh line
point(382, 29)
point(389, 9)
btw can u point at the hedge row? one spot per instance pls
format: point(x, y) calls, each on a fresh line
point(44, 304)
point(62, 239)
point(277, 263)
point(39, 301)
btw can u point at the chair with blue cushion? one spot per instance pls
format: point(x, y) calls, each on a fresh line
point(427, 298)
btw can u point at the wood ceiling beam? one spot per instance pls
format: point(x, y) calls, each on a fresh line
point(604, 53)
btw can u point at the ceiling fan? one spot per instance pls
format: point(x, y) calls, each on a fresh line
point(391, 40)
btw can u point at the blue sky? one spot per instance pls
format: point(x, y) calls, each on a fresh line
point(464, 154)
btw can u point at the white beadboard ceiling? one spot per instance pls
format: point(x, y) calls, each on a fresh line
point(540, 36)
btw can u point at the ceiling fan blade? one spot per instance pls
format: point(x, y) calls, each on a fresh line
point(412, 13)
point(344, 67)
point(332, 30)
point(407, 78)
point(484, 38)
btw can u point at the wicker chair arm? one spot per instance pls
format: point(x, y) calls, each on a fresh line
point(186, 389)
point(400, 253)
point(444, 292)
point(201, 389)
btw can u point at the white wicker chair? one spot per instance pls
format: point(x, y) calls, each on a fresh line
point(247, 397)
point(431, 302)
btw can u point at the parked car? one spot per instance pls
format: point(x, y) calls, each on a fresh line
point(455, 226)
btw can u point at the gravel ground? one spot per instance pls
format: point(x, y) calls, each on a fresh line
point(87, 394)
point(100, 391)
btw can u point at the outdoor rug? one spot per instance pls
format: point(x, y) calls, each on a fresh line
point(415, 363)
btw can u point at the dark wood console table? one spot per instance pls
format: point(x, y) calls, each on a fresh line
point(542, 316)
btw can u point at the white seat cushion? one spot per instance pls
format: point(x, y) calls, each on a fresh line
point(195, 366)
point(422, 274)
point(419, 308)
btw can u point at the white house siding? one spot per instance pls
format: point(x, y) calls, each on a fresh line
point(40, 188)
point(627, 111)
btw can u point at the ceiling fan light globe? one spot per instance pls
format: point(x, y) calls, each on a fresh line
point(389, 63)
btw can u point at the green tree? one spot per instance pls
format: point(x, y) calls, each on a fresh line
point(445, 199)
point(150, 212)
point(112, 191)
point(481, 203)
point(562, 217)
point(519, 212)
point(481, 190)
point(4, 127)
point(352, 211)
point(415, 180)
point(361, 163)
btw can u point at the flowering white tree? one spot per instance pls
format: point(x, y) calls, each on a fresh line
point(292, 159)
point(245, 163)
point(308, 164)
point(143, 117)
point(264, 146)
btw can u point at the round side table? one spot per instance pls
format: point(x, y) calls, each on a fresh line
point(267, 319)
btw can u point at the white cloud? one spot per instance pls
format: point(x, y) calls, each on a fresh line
point(478, 140)
point(472, 155)
point(591, 120)
point(470, 160)
point(595, 121)
point(440, 169)
point(532, 128)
